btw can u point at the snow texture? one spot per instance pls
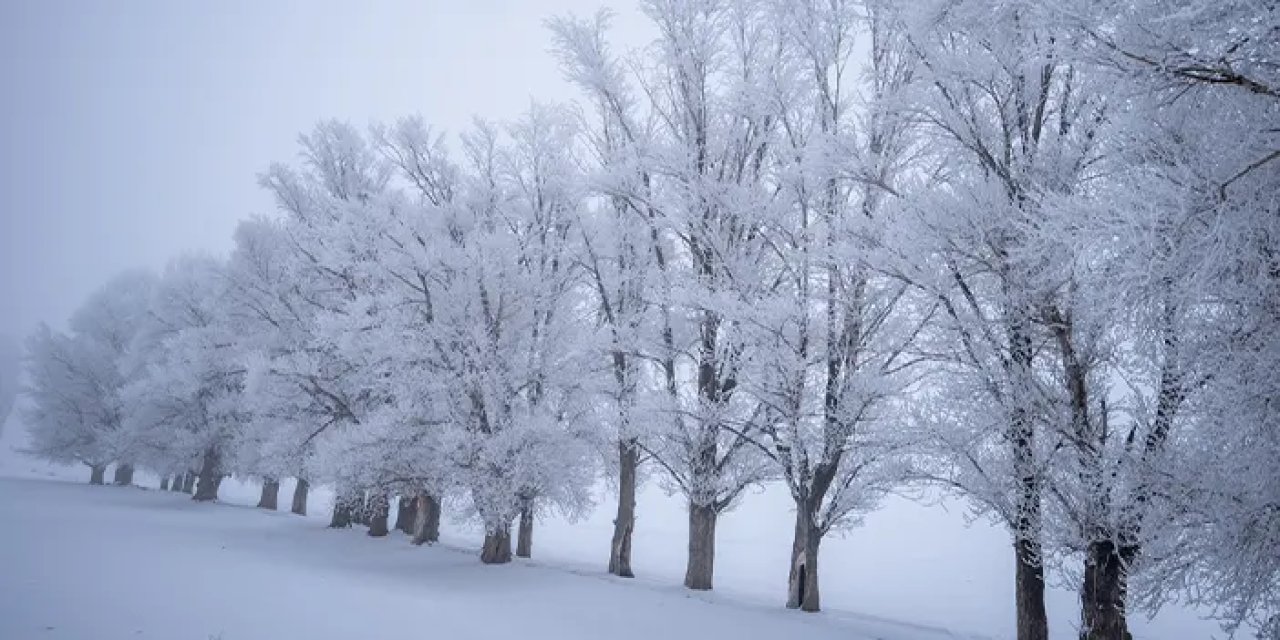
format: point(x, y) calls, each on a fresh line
point(227, 571)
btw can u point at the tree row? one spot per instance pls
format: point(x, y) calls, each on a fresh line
point(1027, 254)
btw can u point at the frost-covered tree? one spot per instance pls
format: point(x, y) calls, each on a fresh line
point(831, 333)
point(445, 307)
point(267, 304)
point(616, 255)
point(311, 387)
point(504, 326)
point(372, 401)
point(737, 245)
point(185, 409)
point(1012, 127)
point(76, 380)
point(67, 421)
point(703, 191)
point(1093, 259)
point(1191, 220)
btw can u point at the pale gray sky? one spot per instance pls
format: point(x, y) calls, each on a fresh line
point(131, 131)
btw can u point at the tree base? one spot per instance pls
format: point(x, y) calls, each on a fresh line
point(1102, 596)
point(524, 539)
point(123, 476)
point(702, 548)
point(426, 524)
point(207, 488)
point(497, 547)
point(299, 506)
point(270, 495)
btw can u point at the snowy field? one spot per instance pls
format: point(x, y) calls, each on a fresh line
point(165, 567)
point(106, 563)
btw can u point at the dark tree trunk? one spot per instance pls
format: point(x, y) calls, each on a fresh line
point(164, 483)
point(802, 582)
point(124, 475)
point(188, 483)
point(360, 512)
point(300, 497)
point(270, 494)
point(210, 477)
point(1102, 597)
point(625, 521)
point(426, 526)
point(207, 488)
point(97, 474)
point(524, 540)
point(377, 508)
point(341, 514)
point(702, 547)
point(405, 514)
point(1033, 623)
point(497, 546)
point(420, 515)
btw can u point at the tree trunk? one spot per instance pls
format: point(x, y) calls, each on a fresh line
point(300, 497)
point(210, 477)
point(702, 547)
point(207, 488)
point(124, 475)
point(802, 583)
point(625, 522)
point(420, 515)
point(270, 494)
point(426, 527)
point(377, 508)
point(341, 514)
point(164, 483)
point(97, 473)
point(1033, 623)
point(360, 512)
point(405, 514)
point(188, 483)
point(524, 540)
point(497, 546)
point(1102, 596)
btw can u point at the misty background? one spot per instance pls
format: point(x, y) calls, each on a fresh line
point(134, 131)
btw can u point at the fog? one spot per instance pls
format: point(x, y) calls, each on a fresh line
point(133, 131)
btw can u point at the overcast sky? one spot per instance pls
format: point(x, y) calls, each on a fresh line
point(132, 131)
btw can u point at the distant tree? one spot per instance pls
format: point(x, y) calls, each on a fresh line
point(616, 256)
point(185, 406)
point(692, 181)
point(833, 333)
point(76, 381)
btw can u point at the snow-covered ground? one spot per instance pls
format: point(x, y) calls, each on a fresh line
point(107, 563)
point(104, 563)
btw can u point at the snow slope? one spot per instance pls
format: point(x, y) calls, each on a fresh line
point(109, 563)
point(196, 571)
